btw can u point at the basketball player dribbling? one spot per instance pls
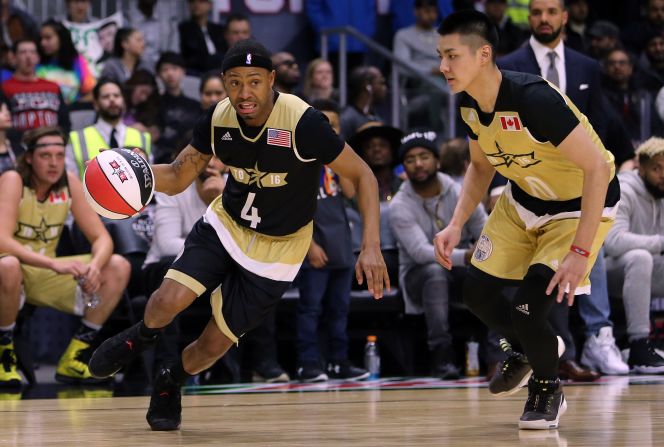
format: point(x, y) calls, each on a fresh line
point(250, 243)
point(548, 225)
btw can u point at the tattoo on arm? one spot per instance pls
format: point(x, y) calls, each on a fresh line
point(191, 158)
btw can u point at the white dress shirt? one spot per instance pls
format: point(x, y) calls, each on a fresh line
point(105, 129)
point(541, 52)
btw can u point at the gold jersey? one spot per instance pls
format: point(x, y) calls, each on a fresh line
point(40, 223)
point(520, 138)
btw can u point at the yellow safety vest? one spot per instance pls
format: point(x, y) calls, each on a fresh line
point(518, 11)
point(87, 143)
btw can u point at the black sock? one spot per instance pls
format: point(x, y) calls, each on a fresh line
point(85, 333)
point(148, 333)
point(178, 373)
point(6, 337)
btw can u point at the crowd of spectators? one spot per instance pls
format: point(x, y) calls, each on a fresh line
point(139, 94)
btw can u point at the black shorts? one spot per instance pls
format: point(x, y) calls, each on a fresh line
point(240, 299)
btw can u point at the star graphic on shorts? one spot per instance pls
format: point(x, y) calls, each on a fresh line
point(502, 158)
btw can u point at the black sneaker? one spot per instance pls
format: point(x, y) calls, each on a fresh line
point(442, 363)
point(346, 371)
point(643, 358)
point(515, 371)
point(310, 373)
point(165, 412)
point(270, 373)
point(546, 403)
point(119, 350)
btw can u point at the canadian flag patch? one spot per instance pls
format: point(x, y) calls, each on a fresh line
point(510, 123)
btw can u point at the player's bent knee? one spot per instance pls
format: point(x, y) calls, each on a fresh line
point(10, 271)
point(171, 295)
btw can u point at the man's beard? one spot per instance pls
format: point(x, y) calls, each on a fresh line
point(547, 38)
point(653, 189)
point(107, 115)
point(426, 182)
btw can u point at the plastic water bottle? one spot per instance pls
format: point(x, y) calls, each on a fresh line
point(472, 358)
point(372, 358)
point(90, 300)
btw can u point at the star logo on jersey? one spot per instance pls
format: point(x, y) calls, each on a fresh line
point(117, 170)
point(44, 232)
point(501, 158)
point(255, 175)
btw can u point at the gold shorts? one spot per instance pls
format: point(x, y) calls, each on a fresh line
point(508, 246)
point(44, 287)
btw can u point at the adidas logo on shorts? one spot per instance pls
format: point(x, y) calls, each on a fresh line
point(227, 137)
point(523, 308)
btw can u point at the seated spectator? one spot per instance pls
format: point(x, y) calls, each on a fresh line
point(604, 38)
point(15, 24)
point(319, 81)
point(157, 23)
point(10, 147)
point(35, 203)
point(128, 49)
point(326, 277)
point(62, 64)
point(142, 103)
point(34, 102)
point(422, 207)
point(78, 11)
point(652, 63)
point(108, 132)
point(174, 217)
point(212, 89)
point(636, 35)
point(177, 113)
point(510, 36)
point(455, 158)
point(577, 25)
point(366, 89)
point(287, 72)
point(237, 28)
point(201, 41)
point(624, 95)
point(634, 246)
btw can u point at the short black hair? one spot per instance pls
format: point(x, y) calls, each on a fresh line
point(261, 55)
point(102, 82)
point(205, 77)
point(171, 57)
point(425, 3)
point(17, 43)
point(326, 105)
point(236, 17)
point(471, 23)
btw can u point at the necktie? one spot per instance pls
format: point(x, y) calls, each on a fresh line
point(113, 142)
point(552, 72)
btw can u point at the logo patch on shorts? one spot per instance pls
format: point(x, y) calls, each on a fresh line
point(483, 249)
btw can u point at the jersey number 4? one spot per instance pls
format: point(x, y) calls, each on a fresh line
point(254, 218)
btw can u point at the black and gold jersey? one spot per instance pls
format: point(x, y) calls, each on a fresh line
point(520, 138)
point(40, 223)
point(274, 169)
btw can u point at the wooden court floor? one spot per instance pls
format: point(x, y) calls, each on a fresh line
point(599, 415)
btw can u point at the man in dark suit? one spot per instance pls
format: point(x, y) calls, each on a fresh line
point(202, 42)
point(578, 77)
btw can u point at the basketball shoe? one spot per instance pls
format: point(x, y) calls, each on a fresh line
point(9, 377)
point(73, 365)
point(515, 371)
point(119, 350)
point(165, 412)
point(643, 358)
point(546, 403)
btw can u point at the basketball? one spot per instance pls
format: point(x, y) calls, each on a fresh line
point(118, 183)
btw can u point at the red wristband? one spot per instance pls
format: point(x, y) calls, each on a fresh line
point(580, 251)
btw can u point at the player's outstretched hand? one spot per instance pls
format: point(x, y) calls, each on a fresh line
point(370, 264)
point(570, 273)
point(444, 243)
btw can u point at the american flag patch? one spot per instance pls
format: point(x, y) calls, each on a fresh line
point(278, 137)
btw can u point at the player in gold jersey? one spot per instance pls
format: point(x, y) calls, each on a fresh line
point(35, 202)
point(550, 222)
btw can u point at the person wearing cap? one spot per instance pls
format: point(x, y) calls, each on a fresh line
point(510, 36)
point(577, 25)
point(604, 37)
point(177, 112)
point(252, 240)
point(421, 208)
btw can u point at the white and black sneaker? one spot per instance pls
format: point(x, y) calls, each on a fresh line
point(545, 405)
point(346, 371)
point(310, 373)
point(643, 359)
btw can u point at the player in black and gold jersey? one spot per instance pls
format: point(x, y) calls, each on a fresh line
point(550, 222)
point(35, 202)
point(250, 243)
